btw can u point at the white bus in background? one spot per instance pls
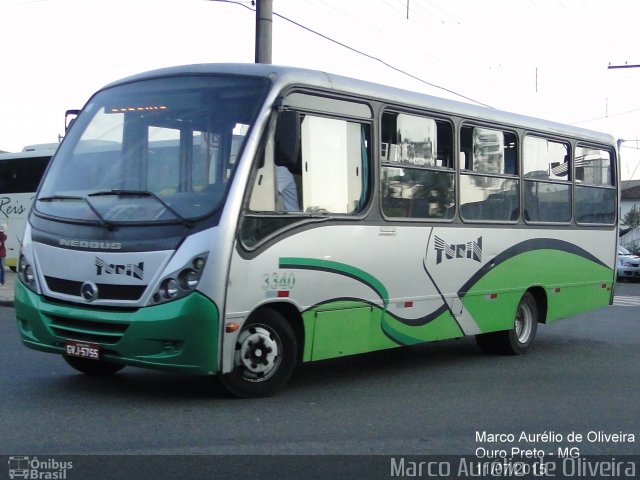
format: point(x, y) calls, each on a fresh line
point(20, 174)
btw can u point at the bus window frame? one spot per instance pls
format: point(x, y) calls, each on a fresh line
point(613, 186)
point(303, 106)
point(381, 164)
point(568, 182)
point(461, 171)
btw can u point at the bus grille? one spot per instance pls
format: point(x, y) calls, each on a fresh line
point(87, 330)
point(106, 291)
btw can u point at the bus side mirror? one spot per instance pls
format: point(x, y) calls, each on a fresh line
point(69, 121)
point(287, 140)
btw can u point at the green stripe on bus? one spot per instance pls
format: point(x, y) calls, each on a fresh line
point(389, 328)
point(340, 269)
point(572, 283)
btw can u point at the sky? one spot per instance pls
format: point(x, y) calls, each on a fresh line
point(544, 58)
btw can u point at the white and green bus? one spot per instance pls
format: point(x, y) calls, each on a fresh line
point(237, 220)
point(20, 174)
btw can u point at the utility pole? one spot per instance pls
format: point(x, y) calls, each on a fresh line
point(264, 24)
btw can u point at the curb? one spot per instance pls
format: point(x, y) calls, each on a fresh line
point(7, 303)
point(7, 291)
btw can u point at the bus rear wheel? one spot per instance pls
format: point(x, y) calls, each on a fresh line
point(96, 368)
point(264, 358)
point(519, 339)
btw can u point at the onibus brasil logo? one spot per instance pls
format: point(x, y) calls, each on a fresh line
point(40, 469)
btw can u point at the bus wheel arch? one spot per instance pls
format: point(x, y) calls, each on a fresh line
point(266, 353)
point(293, 316)
point(540, 296)
point(518, 340)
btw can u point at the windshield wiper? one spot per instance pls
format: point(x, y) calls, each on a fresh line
point(51, 198)
point(102, 220)
point(142, 193)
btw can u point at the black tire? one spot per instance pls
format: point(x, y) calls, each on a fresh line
point(519, 339)
point(265, 356)
point(95, 368)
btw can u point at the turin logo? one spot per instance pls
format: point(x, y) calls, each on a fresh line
point(471, 250)
point(135, 270)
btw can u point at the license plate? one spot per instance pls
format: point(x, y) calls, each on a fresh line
point(82, 349)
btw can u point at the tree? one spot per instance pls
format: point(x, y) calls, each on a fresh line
point(631, 219)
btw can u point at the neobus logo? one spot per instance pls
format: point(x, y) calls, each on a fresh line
point(93, 244)
point(135, 270)
point(471, 250)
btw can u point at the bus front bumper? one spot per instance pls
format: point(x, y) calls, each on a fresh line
point(176, 336)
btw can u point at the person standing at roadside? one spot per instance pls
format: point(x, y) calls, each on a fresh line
point(3, 250)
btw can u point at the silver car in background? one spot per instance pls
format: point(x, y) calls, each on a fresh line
point(627, 265)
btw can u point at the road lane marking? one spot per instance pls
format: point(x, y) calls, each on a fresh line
point(626, 301)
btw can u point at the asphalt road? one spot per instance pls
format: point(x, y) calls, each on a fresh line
point(447, 398)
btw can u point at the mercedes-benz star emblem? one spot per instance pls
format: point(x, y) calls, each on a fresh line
point(89, 291)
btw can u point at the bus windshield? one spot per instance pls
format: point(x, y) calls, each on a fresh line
point(161, 150)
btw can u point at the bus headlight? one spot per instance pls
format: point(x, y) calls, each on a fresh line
point(182, 282)
point(169, 288)
point(188, 279)
point(26, 273)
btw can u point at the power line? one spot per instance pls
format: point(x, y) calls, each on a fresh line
point(377, 59)
point(350, 17)
point(399, 8)
point(359, 52)
point(607, 116)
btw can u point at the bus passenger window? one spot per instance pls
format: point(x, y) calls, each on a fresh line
point(327, 173)
point(418, 174)
point(489, 187)
point(335, 157)
point(595, 193)
point(547, 183)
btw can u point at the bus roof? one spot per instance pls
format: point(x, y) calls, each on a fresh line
point(282, 76)
point(30, 154)
point(41, 146)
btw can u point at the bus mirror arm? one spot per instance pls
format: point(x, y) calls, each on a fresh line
point(67, 121)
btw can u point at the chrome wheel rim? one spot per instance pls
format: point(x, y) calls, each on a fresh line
point(524, 323)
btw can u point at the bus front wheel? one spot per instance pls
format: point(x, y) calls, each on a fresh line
point(519, 339)
point(96, 368)
point(264, 358)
